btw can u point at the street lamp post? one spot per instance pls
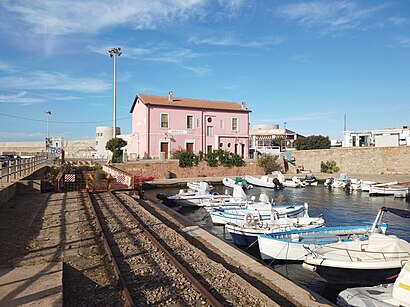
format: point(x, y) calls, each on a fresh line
point(286, 135)
point(47, 114)
point(114, 52)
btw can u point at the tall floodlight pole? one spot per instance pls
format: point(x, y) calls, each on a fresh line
point(47, 114)
point(114, 52)
point(286, 135)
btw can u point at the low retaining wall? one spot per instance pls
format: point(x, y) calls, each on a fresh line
point(358, 160)
point(159, 169)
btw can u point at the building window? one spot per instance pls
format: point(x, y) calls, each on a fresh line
point(190, 122)
point(234, 124)
point(164, 120)
point(209, 131)
point(198, 123)
point(221, 124)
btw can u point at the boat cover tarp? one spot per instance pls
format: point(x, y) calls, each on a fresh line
point(387, 244)
point(400, 212)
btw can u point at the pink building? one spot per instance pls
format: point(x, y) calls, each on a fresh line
point(163, 124)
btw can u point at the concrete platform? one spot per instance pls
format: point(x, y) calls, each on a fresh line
point(37, 285)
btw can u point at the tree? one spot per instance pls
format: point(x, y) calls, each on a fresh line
point(268, 162)
point(312, 142)
point(114, 145)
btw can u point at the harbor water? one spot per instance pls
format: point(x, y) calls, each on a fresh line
point(338, 208)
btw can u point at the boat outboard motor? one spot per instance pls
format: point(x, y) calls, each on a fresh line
point(278, 184)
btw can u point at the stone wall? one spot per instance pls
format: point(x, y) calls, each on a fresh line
point(73, 148)
point(358, 160)
point(160, 168)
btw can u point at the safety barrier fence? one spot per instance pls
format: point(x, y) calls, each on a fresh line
point(14, 169)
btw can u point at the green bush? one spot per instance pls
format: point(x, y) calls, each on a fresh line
point(268, 162)
point(186, 158)
point(225, 158)
point(329, 167)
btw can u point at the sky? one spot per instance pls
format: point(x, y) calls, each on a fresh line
point(310, 64)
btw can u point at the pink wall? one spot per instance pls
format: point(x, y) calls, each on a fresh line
point(146, 126)
point(138, 148)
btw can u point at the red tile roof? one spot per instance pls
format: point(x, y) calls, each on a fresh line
point(189, 102)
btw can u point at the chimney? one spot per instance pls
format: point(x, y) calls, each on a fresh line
point(170, 96)
point(244, 105)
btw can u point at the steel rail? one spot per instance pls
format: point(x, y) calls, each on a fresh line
point(124, 289)
point(195, 283)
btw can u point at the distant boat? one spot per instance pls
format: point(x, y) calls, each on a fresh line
point(390, 188)
point(229, 182)
point(294, 183)
point(265, 181)
point(310, 179)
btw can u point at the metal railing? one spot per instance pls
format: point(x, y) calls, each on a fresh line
point(14, 169)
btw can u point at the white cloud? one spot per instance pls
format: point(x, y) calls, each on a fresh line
point(232, 6)
point(403, 42)
point(162, 53)
point(6, 67)
point(61, 17)
point(300, 58)
point(229, 40)
point(331, 15)
point(20, 98)
point(43, 80)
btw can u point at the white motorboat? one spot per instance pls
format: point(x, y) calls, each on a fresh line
point(390, 188)
point(264, 181)
point(229, 182)
point(297, 243)
point(343, 182)
point(310, 179)
point(294, 183)
point(363, 185)
point(370, 262)
point(254, 212)
point(200, 186)
point(199, 196)
point(247, 234)
point(385, 295)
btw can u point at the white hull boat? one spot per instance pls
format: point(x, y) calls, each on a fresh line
point(296, 244)
point(371, 262)
point(264, 181)
point(310, 179)
point(294, 183)
point(231, 183)
point(390, 188)
point(253, 213)
point(248, 234)
point(385, 295)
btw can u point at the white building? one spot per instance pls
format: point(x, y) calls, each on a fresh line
point(389, 137)
point(102, 135)
point(262, 135)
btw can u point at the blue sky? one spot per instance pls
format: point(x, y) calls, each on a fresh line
point(306, 63)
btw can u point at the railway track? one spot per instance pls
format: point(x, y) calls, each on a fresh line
point(148, 273)
point(156, 265)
